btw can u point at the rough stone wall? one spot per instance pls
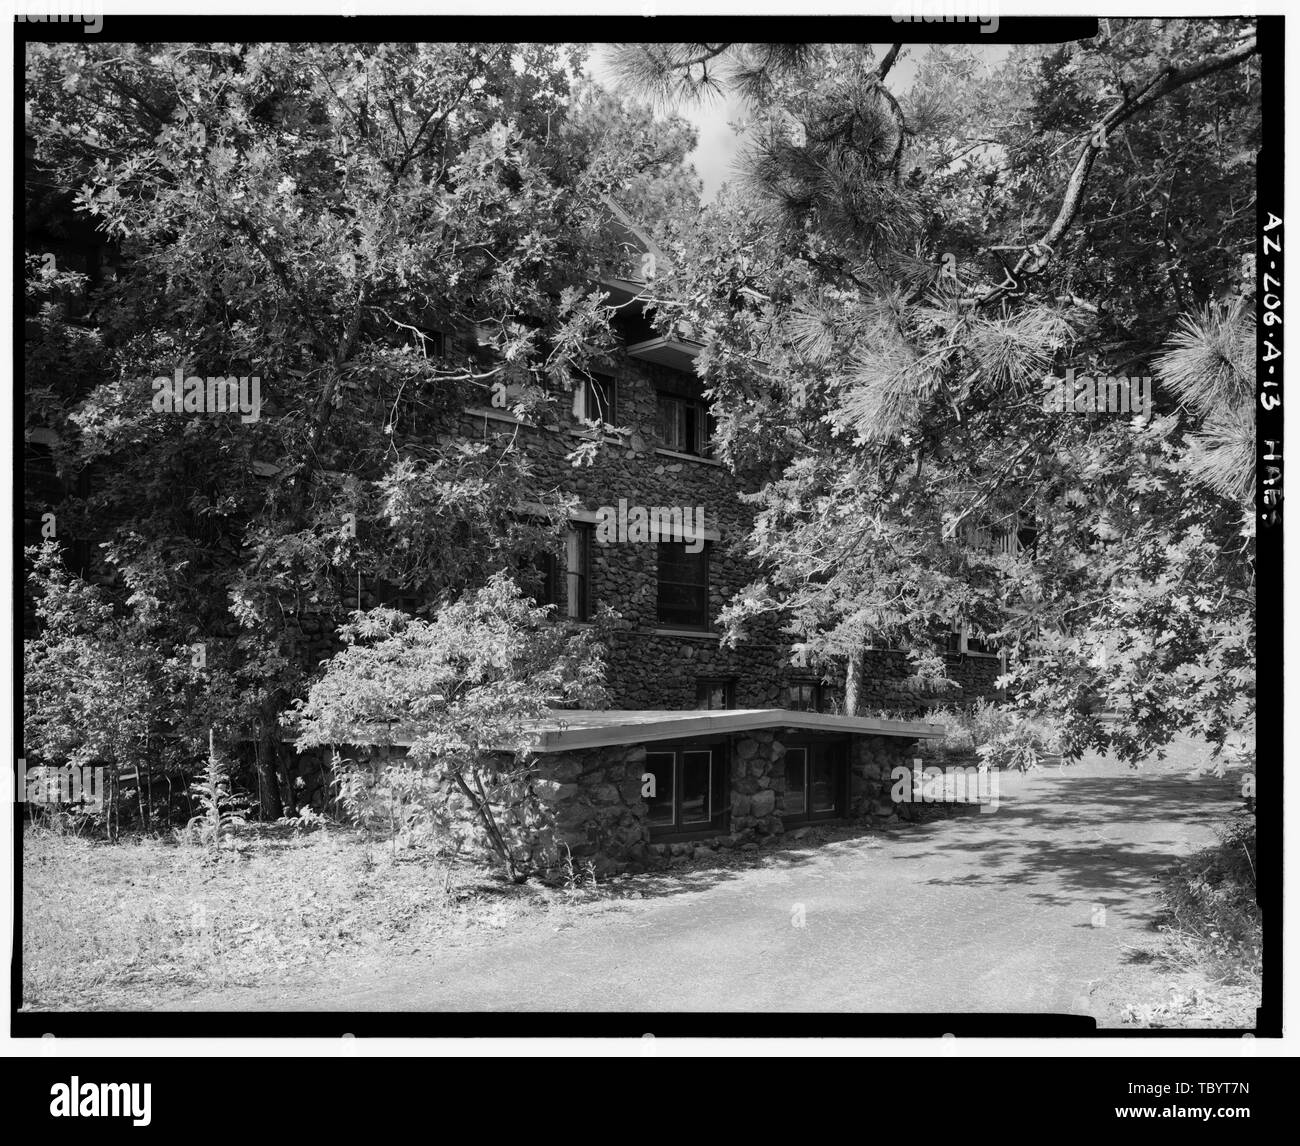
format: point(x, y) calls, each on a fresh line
point(592, 797)
point(757, 787)
point(595, 797)
point(977, 675)
point(651, 668)
point(885, 684)
point(871, 759)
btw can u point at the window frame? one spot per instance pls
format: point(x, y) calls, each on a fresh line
point(702, 446)
point(718, 792)
point(817, 750)
point(959, 641)
point(704, 685)
point(705, 622)
point(593, 385)
point(572, 603)
point(818, 693)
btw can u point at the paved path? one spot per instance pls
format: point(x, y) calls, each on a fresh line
point(1026, 909)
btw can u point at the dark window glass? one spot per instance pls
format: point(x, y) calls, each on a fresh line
point(804, 696)
point(683, 597)
point(697, 787)
point(689, 790)
point(599, 399)
point(684, 425)
point(796, 781)
point(565, 583)
point(814, 781)
point(821, 783)
point(578, 573)
point(715, 694)
point(661, 766)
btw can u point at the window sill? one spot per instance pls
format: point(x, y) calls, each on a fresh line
point(688, 457)
point(675, 835)
point(608, 438)
point(501, 416)
point(701, 634)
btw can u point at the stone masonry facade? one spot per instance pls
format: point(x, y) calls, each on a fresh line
point(594, 795)
point(654, 665)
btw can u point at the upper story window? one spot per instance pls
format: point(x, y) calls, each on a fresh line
point(684, 425)
point(430, 341)
point(567, 585)
point(804, 696)
point(683, 598)
point(600, 399)
point(960, 641)
point(715, 692)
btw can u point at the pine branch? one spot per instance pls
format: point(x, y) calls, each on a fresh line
point(1036, 256)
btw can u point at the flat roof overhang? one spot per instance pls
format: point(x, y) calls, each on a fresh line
point(674, 353)
point(572, 729)
point(584, 728)
point(624, 291)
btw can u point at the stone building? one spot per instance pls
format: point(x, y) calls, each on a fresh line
point(654, 466)
point(703, 745)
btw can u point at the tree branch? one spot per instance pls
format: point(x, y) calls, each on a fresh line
point(1037, 255)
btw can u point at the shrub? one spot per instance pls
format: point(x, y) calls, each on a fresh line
point(1001, 737)
point(1211, 913)
point(460, 690)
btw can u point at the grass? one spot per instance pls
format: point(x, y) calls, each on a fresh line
point(105, 922)
point(1212, 935)
point(1205, 970)
point(151, 917)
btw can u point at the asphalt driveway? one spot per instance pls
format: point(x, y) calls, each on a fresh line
point(1025, 909)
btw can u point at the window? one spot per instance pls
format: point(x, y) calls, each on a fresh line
point(568, 587)
point(814, 781)
point(804, 696)
point(715, 692)
point(426, 340)
point(599, 399)
point(683, 586)
point(684, 425)
point(960, 641)
point(688, 793)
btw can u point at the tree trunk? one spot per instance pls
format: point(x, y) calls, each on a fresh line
point(270, 806)
point(853, 683)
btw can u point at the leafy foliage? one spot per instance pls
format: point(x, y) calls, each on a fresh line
point(882, 303)
point(461, 690)
point(379, 233)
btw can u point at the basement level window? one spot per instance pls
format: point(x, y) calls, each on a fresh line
point(685, 789)
point(815, 781)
